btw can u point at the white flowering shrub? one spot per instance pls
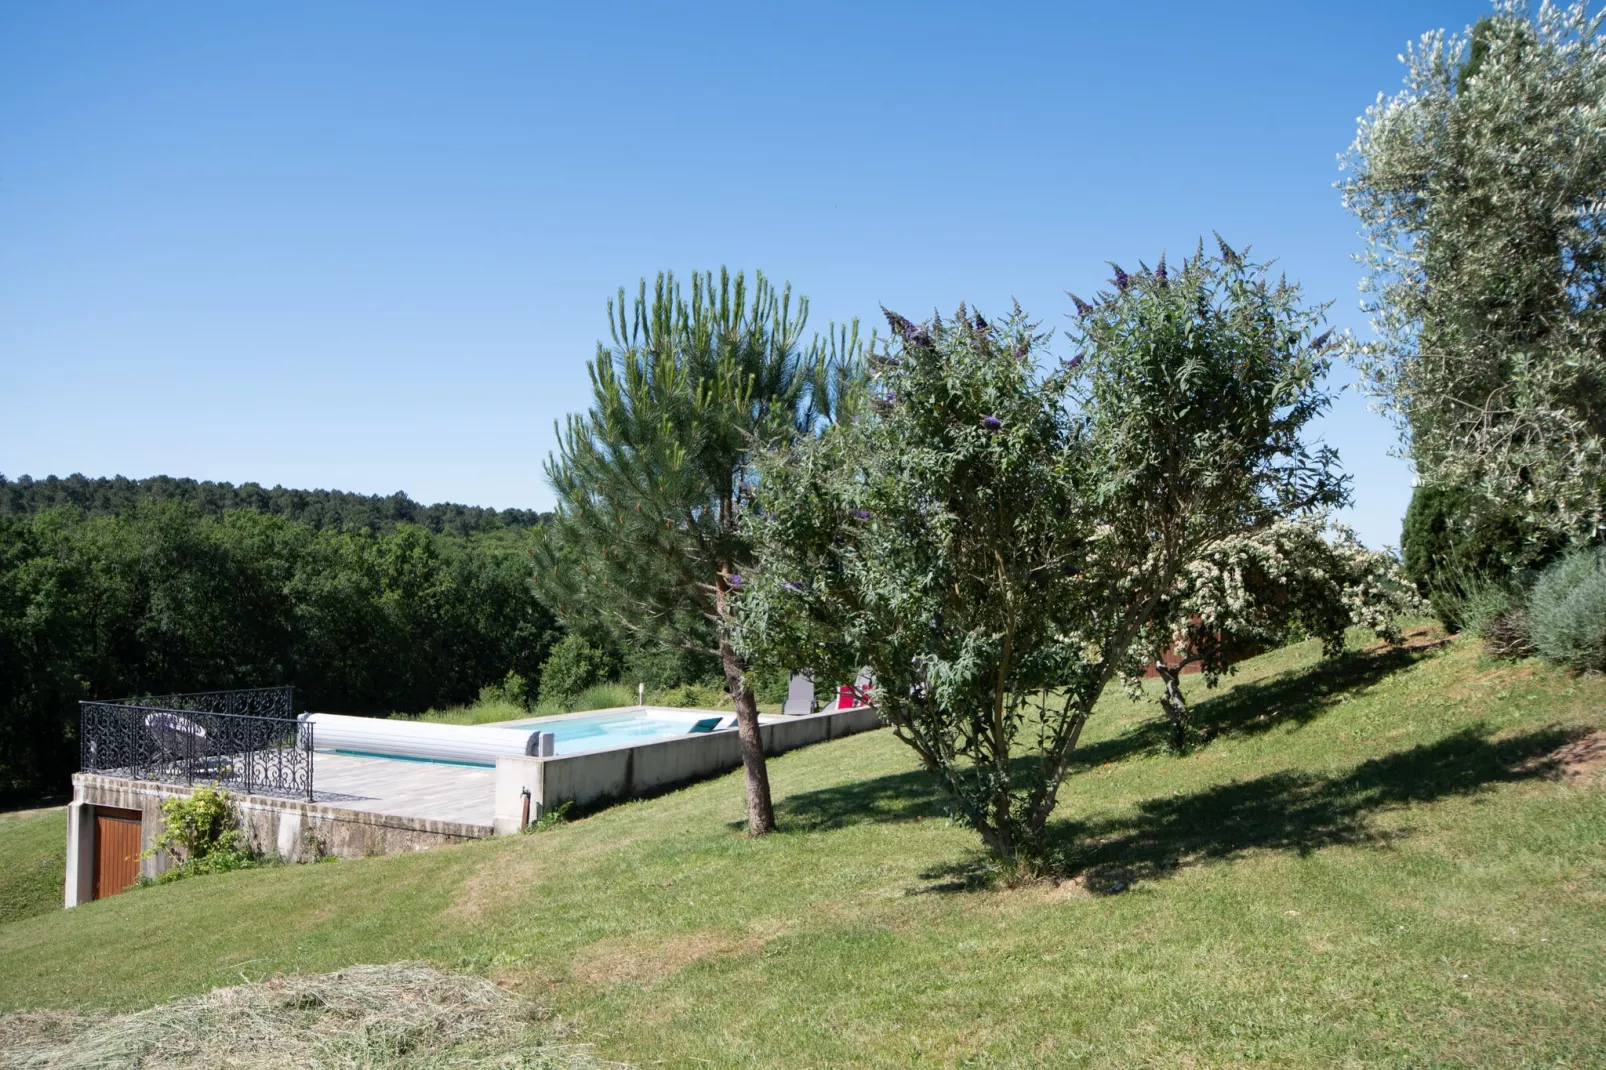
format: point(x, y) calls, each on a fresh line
point(1481, 192)
point(991, 539)
point(1259, 588)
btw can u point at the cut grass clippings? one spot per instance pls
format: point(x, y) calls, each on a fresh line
point(406, 1015)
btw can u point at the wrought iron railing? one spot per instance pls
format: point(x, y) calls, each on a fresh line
point(251, 701)
point(197, 739)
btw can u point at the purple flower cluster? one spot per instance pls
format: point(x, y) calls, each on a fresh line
point(1121, 279)
point(981, 324)
point(860, 514)
point(1082, 307)
point(1075, 362)
point(736, 579)
point(1321, 340)
point(1159, 272)
point(917, 336)
point(794, 586)
point(900, 326)
point(991, 423)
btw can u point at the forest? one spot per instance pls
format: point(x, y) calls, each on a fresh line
point(116, 587)
point(316, 508)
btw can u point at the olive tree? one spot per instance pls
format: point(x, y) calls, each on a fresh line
point(991, 537)
point(1481, 192)
point(653, 482)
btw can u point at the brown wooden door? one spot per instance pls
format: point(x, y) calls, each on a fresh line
point(116, 850)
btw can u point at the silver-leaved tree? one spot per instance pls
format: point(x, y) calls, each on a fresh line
point(653, 482)
point(1481, 192)
point(991, 537)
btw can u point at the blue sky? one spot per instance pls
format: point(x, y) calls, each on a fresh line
point(368, 246)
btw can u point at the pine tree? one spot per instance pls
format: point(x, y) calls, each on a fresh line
point(653, 481)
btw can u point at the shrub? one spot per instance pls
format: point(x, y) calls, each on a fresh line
point(574, 665)
point(512, 691)
point(1451, 533)
point(1468, 600)
point(202, 834)
point(1568, 611)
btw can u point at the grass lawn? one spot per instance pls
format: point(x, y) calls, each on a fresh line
point(33, 862)
point(1396, 859)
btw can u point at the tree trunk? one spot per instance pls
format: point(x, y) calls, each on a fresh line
point(1176, 708)
point(760, 812)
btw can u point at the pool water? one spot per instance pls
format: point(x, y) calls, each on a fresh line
point(611, 729)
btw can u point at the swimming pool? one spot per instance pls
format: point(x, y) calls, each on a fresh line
point(571, 735)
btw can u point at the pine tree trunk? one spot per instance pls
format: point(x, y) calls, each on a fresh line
point(760, 812)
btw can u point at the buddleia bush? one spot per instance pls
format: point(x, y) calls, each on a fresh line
point(1567, 611)
point(992, 538)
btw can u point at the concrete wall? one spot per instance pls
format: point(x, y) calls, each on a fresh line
point(640, 769)
point(288, 829)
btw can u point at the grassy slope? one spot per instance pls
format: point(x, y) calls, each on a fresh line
point(1365, 868)
point(33, 862)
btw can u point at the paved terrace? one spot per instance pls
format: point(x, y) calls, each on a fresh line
point(430, 790)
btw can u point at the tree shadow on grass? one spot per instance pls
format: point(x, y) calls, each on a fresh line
point(1284, 811)
point(1296, 812)
point(1297, 696)
point(907, 796)
point(1301, 697)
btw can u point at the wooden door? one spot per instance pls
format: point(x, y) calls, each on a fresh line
point(116, 850)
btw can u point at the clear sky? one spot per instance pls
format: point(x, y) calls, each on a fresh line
point(368, 246)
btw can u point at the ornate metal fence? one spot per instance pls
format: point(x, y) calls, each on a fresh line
point(206, 737)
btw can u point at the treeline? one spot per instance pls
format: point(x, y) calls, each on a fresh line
point(161, 597)
point(318, 509)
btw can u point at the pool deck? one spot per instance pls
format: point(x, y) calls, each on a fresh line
point(436, 791)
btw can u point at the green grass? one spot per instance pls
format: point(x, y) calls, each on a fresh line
point(1370, 865)
point(33, 862)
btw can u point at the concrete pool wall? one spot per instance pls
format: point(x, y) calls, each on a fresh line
point(632, 770)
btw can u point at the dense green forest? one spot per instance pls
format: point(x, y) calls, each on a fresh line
point(317, 509)
point(139, 590)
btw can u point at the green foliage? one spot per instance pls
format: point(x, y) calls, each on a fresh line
point(653, 482)
point(1470, 601)
point(511, 691)
point(1452, 534)
point(1478, 187)
point(202, 834)
point(1567, 611)
point(161, 599)
point(990, 534)
point(318, 509)
point(1255, 589)
point(574, 665)
point(554, 817)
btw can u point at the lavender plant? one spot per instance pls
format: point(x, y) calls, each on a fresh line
point(991, 538)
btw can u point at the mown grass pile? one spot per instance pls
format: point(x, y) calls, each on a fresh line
point(396, 1016)
point(1391, 859)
